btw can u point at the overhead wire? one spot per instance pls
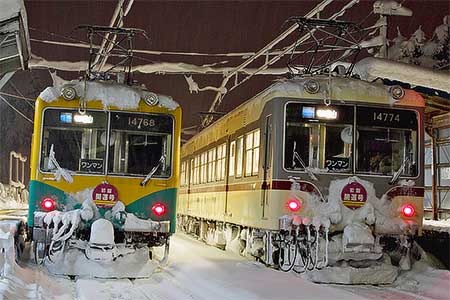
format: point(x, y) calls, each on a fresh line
point(16, 110)
point(16, 96)
point(17, 90)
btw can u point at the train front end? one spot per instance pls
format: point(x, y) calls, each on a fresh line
point(349, 182)
point(104, 179)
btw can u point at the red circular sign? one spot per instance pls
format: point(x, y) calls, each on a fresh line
point(105, 195)
point(354, 195)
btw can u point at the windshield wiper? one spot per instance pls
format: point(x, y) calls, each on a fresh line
point(149, 176)
point(400, 170)
point(295, 155)
point(53, 163)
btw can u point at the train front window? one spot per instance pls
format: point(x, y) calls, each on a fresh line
point(139, 143)
point(77, 140)
point(387, 141)
point(318, 137)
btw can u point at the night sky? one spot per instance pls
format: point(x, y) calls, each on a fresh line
point(182, 26)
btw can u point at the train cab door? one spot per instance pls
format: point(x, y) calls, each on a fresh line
point(266, 166)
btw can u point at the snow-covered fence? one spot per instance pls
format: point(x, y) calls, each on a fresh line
point(16, 189)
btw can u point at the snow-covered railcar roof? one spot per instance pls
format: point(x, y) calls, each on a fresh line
point(109, 93)
point(332, 88)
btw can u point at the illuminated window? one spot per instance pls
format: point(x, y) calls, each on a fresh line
point(252, 153)
point(203, 167)
point(211, 165)
point(221, 154)
point(191, 169)
point(197, 170)
point(183, 174)
point(239, 156)
point(232, 158)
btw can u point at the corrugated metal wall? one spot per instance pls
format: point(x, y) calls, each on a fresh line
point(437, 197)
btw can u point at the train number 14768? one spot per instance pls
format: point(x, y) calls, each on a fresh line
point(139, 122)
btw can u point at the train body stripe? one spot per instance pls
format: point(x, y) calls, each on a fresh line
point(402, 190)
point(140, 207)
point(249, 186)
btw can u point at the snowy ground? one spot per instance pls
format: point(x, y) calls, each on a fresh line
point(198, 271)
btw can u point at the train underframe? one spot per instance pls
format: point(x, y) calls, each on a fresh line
point(315, 251)
point(117, 246)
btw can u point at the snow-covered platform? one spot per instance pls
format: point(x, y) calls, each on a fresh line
point(436, 240)
point(439, 226)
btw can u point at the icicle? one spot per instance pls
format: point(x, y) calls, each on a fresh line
point(316, 261)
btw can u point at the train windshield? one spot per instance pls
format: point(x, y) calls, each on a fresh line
point(318, 137)
point(322, 139)
point(75, 140)
point(387, 141)
point(140, 142)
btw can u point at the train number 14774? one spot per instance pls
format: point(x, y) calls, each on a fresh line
point(386, 117)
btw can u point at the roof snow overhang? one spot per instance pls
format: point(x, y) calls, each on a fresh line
point(432, 84)
point(14, 38)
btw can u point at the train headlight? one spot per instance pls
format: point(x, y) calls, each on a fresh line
point(397, 92)
point(151, 99)
point(312, 86)
point(408, 210)
point(293, 205)
point(48, 204)
point(159, 209)
point(69, 93)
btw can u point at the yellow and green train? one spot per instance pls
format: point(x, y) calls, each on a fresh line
point(104, 172)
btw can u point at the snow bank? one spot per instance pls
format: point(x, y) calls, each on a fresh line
point(425, 281)
point(441, 225)
point(109, 93)
point(10, 9)
point(10, 203)
point(20, 283)
point(372, 68)
point(13, 8)
point(12, 199)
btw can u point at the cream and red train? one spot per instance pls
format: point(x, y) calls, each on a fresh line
point(311, 173)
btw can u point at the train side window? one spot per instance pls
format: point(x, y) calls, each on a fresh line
point(252, 153)
point(197, 170)
point(203, 167)
point(239, 156)
point(256, 139)
point(183, 174)
point(221, 154)
point(191, 172)
point(232, 158)
point(211, 165)
point(248, 153)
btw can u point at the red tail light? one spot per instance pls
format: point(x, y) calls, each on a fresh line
point(48, 204)
point(159, 209)
point(293, 205)
point(408, 210)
